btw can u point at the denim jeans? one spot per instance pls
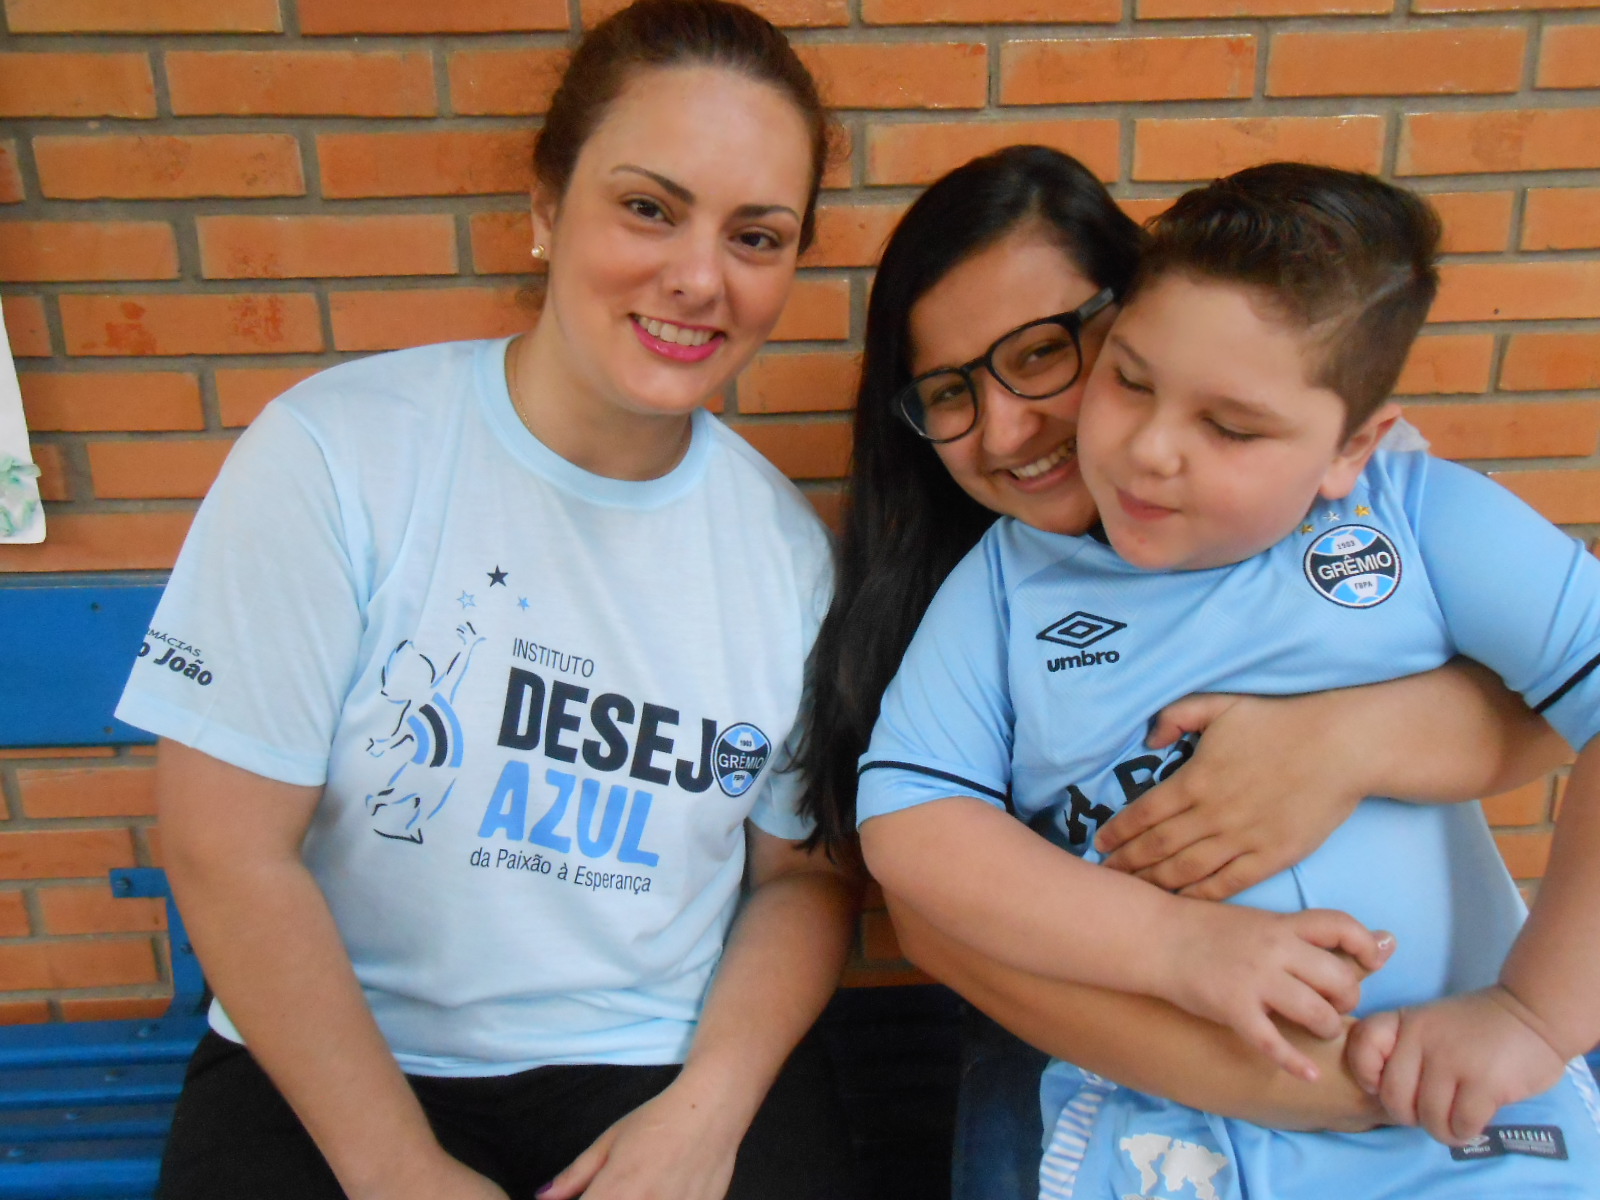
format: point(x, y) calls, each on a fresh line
point(999, 1132)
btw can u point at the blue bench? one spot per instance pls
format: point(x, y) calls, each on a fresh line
point(85, 1107)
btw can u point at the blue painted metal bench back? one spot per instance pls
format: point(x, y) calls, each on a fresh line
point(65, 652)
point(85, 1107)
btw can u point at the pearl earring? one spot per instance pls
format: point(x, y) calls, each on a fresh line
point(538, 252)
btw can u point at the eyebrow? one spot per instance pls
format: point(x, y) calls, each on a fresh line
point(680, 193)
point(1232, 403)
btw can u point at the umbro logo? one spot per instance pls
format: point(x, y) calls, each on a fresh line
point(1080, 630)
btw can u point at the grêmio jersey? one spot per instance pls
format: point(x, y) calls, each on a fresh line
point(1034, 677)
point(541, 703)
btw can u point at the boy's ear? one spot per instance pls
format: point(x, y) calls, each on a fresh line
point(1352, 457)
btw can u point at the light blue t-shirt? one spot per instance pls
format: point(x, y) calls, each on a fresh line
point(1032, 682)
point(542, 703)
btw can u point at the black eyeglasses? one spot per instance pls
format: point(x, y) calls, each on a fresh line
point(1034, 361)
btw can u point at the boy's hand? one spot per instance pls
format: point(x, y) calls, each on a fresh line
point(1237, 965)
point(1451, 1065)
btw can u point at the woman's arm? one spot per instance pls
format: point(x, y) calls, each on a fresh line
point(1274, 776)
point(782, 963)
point(1142, 1042)
point(262, 928)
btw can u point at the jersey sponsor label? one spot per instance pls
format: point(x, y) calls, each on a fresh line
point(1496, 1141)
point(1355, 566)
point(740, 753)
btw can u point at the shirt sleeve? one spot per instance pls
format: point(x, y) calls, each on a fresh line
point(1518, 594)
point(776, 810)
point(263, 612)
point(945, 726)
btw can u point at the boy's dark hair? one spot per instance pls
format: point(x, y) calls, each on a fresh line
point(1346, 257)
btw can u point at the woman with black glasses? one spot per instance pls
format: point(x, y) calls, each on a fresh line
point(990, 304)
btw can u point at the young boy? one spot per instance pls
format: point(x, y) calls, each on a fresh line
point(1259, 542)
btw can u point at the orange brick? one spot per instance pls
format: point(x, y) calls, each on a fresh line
point(1167, 10)
point(69, 251)
point(94, 909)
point(802, 449)
point(892, 75)
point(243, 392)
point(1464, 143)
point(787, 14)
point(54, 482)
point(991, 12)
point(1444, 364)
point(1205, 147)
point(818, 311)
point(1569, 56)
point(1526, 805)
point(235, 247)
point(136, 541)
point(169, 168)
point(156, 470)
point(1400, 62)
point(1525, 291)
point(26, 327)
point(504, 82)
point(76, 85)
point(1443, 6)
point(117, 401)
point(466, 162)
point(150, 835)
point(1474, 222)
point(144, 16)
point(24, 1012)
point(851, 235)
point(1525, 854)
point(878, 940)
point(1542, 362)
point(501, 242)
point(1565, 497)
point(63, 854)
point(115, 1008)
point(13, 915)
point(430, 16)
point(1105, 70)
point(10, 177)
point(920, 152)
point(1557, 429)
point(784, 383)
point(390, 83)
point(1561, 219)
point(248, 323)
point(389, 320)
point(76, 964)
point(140, 751)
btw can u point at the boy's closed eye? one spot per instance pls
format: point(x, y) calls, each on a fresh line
point(1131, 384)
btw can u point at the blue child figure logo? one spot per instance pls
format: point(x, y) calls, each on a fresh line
point(426, 732)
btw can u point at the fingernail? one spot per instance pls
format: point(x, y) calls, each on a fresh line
point(1385, 943)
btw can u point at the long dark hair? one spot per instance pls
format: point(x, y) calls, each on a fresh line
point(908, 523)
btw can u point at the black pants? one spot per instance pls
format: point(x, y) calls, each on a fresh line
point(235, 1138)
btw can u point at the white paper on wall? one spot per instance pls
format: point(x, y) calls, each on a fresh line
point(21, 514)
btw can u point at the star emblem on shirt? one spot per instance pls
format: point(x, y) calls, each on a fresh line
point(522, 603)
point(1330, 515)
point(467, 601)
point(496, 576)
point(1363, 511)
point(1308, 527)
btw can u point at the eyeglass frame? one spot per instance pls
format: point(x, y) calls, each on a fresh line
point(1073, 321)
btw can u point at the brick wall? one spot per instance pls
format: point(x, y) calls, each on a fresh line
point(203, 201)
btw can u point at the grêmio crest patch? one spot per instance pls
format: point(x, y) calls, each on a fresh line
point(1355, 566)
